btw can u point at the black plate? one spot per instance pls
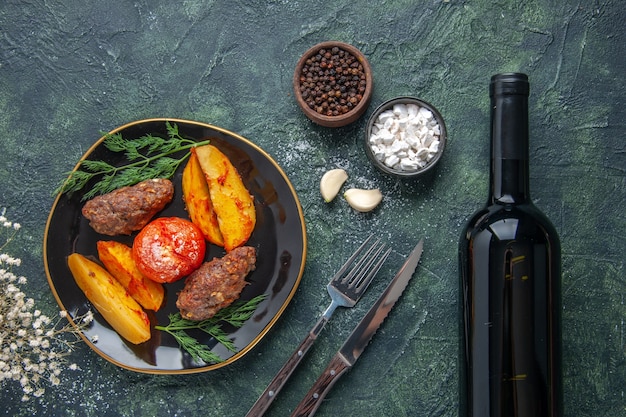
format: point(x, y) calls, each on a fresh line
point(279, 236)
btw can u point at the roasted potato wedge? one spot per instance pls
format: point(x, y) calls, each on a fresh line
point(231, 200)
point(118, 260)
point(111, 300)
point(198, 201)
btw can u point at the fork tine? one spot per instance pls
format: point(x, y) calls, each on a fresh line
point(357, 273)
point(351, 259)
point(346, 290)
point(365, 281)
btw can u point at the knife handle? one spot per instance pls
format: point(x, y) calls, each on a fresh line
point(263, 402)
point(337, 366)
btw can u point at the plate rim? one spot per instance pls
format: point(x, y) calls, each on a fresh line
point(239, 354)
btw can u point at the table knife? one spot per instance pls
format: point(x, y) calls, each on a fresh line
point(356, 343)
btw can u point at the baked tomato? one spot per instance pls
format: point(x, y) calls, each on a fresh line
point(169, 248)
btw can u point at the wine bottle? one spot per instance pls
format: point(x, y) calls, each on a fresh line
point(510, 280)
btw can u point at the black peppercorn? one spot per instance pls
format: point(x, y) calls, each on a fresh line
point(332, 81)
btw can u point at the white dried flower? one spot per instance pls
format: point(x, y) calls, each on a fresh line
point(88, 317)
point(32, 346)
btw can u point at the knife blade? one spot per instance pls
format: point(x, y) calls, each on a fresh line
point(360, 337)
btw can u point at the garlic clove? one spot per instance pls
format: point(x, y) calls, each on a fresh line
point(363, 200)
point(331, 183)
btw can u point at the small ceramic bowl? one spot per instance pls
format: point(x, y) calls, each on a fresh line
point(405, 137)
point(333, 95)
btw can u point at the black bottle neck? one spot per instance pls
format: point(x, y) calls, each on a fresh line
point(509, 175)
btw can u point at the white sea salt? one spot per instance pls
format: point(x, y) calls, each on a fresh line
point(405, 137)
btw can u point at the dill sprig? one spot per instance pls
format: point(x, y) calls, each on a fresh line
point(148, 157)
point(236, 315)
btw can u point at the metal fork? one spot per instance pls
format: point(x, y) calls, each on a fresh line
point(345, 288)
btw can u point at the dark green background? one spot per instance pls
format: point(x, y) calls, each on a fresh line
point(70, 69)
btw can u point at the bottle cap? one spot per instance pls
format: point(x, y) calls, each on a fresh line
point(512, 83)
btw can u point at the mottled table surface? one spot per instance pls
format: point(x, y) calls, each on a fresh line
point(70, 70)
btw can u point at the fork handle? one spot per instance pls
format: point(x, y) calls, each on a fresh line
point(263, 402)
point(337, 366)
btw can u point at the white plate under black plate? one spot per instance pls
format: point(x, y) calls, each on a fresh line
point(279, 237)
